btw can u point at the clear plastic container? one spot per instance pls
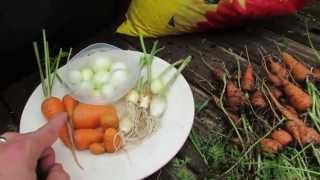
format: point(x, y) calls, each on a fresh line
point(86, 56)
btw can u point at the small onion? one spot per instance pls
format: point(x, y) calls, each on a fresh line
point(107, 90)
point(133, 96)
point(158, 106)
point(74, 76)
point(157, 86)
point(86, 73)
point(101, 77)
point(101, 63)
point(85, 87)
point(119, 77)
point(125, 124)
point(118, 66)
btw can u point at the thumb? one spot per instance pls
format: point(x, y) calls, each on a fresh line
point(57, 173)
point(48, 134)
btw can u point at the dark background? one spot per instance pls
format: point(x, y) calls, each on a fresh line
point(67, 22)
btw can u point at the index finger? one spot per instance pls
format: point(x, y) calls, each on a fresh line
point(48, 134)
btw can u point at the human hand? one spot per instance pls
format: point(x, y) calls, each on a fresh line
point(21, 153)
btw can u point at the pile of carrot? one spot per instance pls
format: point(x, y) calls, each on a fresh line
point(94, 127)
point(283, 95)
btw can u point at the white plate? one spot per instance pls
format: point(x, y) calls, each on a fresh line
point(140, 161)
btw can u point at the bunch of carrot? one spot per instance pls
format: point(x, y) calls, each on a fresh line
point(94, 127)
point(284, 92)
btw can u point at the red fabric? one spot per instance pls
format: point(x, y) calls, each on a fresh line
point(231, 13)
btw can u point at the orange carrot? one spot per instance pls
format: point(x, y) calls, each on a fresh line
point(52, 106)
point(70, 104)
point(85, 137)
point(87, 116)
point(299, 71)
point(274, 79)
point(300, 100)
point(270, 145)
point(299, 129)
point(234, 117)
point(112, 140)
point(282, 136)
point(258, 100)
point(97, 148)
point(277, 69)
point(247, 80)
point(235, 97)
point(110, 120)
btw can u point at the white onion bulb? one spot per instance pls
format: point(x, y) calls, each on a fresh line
point(133, 96)
point(74, 76)
point(119, 77)
point(101, 77)
point(118, 66)
point(86, 73)
point(158, 106)
point(101, 63)
point(157, 86)
point(85, 87)
point(107, 90)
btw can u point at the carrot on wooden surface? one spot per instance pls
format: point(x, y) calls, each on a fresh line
point(234, 117)
point(282, 136)
point(69, 104)
point(270, 145)
point(277, 68)
point(88, 116)
point(248, 80)
point(274, 79)
point(97, 148)
point(109, 120)
point(112, 140)
point(235, 97)
point(258, 100)
point(299, 71)
point(85, 137)
point(299, 99)
point(297, 128)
